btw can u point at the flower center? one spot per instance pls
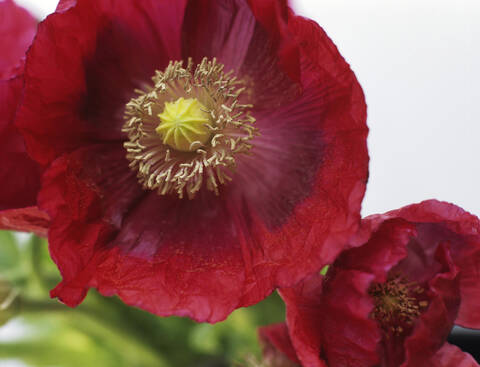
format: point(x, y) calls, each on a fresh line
point(398, 303)
point(187, 130)
point(183, 125)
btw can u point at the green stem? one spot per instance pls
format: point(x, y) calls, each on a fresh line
point(30, 306)
point(35, 261)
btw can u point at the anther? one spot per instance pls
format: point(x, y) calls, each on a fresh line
point(396, 304)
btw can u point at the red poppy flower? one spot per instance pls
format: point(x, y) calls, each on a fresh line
point(19, 175)
point(393, 301)
point(201, 153)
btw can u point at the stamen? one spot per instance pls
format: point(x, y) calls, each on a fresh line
point(203, 126)
point(397, 304)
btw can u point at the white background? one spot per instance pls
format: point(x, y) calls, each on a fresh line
point(418, 62)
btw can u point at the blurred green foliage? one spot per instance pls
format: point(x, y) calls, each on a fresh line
point(105, 332)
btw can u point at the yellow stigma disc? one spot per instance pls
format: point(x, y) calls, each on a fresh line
point(183, 124)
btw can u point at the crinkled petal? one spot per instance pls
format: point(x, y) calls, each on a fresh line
point(218, 29)
point(275, 18)
point(29, 219)
point(19, 174)
point(330, 326)
point(451, 356)
point(183, 258)
point(86, 61)
point(17, 29)
point(152, 261)
point(436, 322)
point(64, 5)
point(304, 320)
point(311, 162)
point(385, 248)
point(469, 313)
point(78, 231)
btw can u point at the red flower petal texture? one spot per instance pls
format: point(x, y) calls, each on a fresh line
point(17, 29)
point(292, 203)
point(29, 219)
point(19, 174)
point(392, 301)
point(451, 356)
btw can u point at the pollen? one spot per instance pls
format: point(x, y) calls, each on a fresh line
point(188, 129)
point(397, 304)
point(183, 125)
